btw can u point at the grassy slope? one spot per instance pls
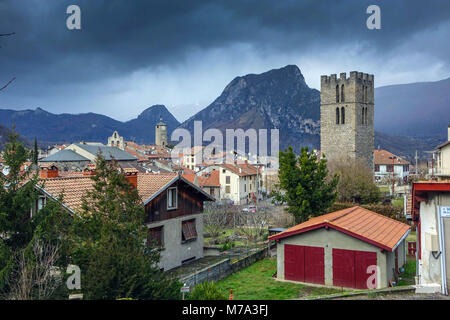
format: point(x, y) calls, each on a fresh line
point(256, 283)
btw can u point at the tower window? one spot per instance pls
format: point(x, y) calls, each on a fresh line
point(366, 118)
point(343, 115)
point(337, 93)
point(363, 94)
point(342, 94)
point(337, 116)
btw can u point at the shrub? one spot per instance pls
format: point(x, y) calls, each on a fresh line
point(207, 291)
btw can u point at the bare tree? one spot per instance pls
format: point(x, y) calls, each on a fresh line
point(254, 225)
point(215, 219)
point(35, 275)
point(14, 78)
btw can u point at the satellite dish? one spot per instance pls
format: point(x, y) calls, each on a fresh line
point(6, 171)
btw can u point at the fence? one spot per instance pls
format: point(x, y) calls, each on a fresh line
point(223, 269)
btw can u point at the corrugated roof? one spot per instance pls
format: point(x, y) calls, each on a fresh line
point(358, 222)
point(64, 155)
point(108, 152)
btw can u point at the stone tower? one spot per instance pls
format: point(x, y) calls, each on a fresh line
point(347, 116)
point(161, 133)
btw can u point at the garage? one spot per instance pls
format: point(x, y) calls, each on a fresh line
point(350, 268)
point(337, 249)
point(304, 264)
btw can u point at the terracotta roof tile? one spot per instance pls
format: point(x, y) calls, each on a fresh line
point(150, 183)
point(382, 157)
point(364, 224)
point(73, 188)
point(211, 179)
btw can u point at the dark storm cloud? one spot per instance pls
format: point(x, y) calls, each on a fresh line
point(122, 36)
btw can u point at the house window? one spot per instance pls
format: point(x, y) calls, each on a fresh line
point(406, 168)
point(227, 179)
point(337, 116)
point(211, 191)
point(156, 236)
point(172, 198)
point(188, 230)
point(223, 170)
point(390, 168)
point(250, 187)
point(227, 189)
point(343, 115)
point(245, 188)
point(41, 203)
point(377, 168)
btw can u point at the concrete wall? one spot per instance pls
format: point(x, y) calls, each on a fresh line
point(330, 239)
point(174, 251)
point(223, 269)
point(353, 139)
point(429, 269)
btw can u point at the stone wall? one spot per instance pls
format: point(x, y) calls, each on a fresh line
point(353, 139)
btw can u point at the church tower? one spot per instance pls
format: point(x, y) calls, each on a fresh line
point(347, 117)
point(161, 133)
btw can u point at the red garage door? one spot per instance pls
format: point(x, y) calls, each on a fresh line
point(350, 267)
point(305, 264)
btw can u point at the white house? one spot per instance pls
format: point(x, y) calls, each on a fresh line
point(239, 182)
point(387, 164)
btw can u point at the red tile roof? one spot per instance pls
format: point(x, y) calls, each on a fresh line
point(74, 186)
point(382, 157)
point(358, 222)
point(211, 179)
point(241, 169)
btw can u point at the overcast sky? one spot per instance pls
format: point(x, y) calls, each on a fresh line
point(131, 54)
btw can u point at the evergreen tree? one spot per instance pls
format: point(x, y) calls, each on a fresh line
point(109, 242)
point(35, 152)
point(19, 232)
point(305, 185)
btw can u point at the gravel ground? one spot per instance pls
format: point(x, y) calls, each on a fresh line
point(398, 296)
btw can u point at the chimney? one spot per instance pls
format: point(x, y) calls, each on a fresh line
point(49, 171)
point(89, 170)
point(132, 177)
point(448, 136)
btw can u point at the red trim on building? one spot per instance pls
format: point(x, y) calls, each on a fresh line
point(328, 225)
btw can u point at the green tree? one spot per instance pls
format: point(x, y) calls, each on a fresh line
point(108, 242)
point(21, 233)
point(17, 195)
point(304, 184)
point(35, 152)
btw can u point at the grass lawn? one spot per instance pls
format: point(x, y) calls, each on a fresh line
point(407, 278)
point(256, 283)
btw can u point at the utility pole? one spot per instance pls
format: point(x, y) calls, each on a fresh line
point(417, 168)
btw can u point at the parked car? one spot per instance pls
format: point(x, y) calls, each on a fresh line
point(251, 209)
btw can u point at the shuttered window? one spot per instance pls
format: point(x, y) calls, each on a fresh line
point(155, 236)
point(188, 230)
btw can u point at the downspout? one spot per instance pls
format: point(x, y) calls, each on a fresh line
point(442, 247)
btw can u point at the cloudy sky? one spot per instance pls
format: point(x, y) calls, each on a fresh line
point(131, 54)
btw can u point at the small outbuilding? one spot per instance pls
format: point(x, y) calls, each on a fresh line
point(350, 248)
